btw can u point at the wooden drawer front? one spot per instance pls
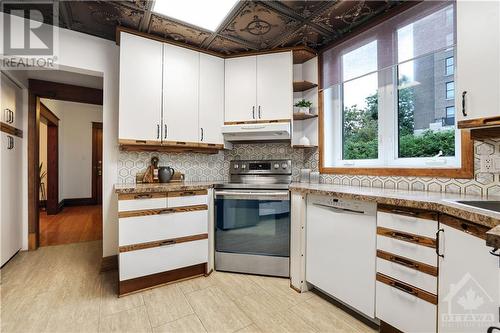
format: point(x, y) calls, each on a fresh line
point(153, 260)
point(408, 275)
point(129, 202)
point(142, 229)
point(408, 250)
point(187, 198)
point(407, 223)
point(404, 311)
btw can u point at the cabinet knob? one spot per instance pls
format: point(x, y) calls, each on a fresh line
point(464, 112)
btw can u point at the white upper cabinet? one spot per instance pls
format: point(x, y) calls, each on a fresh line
point(9, 102)
point(211, 108)
point(180, 92)
point(259, 87)
point(478, 59)
point(140, 99)
point(468, 283)
point(274, 86)
point(240, 89)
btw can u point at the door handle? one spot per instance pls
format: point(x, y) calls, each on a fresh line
point(158, 131)
point(259, 112)
point(253, 112)
point(201, 134)
point(437, 243)
point(166, 130)
point(10, 144)
point(464, 112)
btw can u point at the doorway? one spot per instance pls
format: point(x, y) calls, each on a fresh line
point(70, 216)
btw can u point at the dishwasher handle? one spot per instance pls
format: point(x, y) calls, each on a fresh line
point(340, 210)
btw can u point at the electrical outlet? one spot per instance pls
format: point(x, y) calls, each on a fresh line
point(487, 164)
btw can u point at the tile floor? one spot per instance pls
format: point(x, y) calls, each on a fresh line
point(66, 293)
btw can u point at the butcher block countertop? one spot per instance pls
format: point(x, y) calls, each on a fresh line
point(434, 201)
point(159, 188)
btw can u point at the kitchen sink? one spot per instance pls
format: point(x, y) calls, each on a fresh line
point(489, 205)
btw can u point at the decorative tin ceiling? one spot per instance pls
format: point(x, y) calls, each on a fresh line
point(252, 25)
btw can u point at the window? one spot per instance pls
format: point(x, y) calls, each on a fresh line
point(449, 66)
point(450, 90)
point(449, 119)
point(388, 94)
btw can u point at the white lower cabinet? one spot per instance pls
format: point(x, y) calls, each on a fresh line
point(142, 229)
point(469, 283)
point(406, 312)
point(162, 237)
point(138, 263)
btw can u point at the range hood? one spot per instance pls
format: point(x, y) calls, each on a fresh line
point(257, 132)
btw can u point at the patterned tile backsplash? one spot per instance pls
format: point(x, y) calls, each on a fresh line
point(200, 167)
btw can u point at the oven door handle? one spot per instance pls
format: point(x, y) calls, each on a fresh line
point(281, 195)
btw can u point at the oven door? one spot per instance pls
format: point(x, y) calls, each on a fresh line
point(255, 224)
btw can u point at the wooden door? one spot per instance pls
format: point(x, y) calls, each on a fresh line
point(180, 94)
point(211, 112)
point(140, 97)
point(240, 89)
point(275, 86)
point(97, 163)
point(478, 54)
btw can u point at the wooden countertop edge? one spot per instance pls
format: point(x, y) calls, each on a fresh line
point(442, 207)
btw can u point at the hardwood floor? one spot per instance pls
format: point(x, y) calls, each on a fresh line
point(71, 225)
point(59, 289)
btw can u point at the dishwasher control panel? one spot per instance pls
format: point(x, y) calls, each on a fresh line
point(334, 202)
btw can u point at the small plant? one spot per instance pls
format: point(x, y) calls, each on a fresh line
point(303, 104)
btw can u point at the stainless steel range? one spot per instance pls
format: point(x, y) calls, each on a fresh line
point(252, 216)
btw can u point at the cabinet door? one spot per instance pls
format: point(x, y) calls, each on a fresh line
point(11, 197)
point(275, 86)
point(211, 113)
point(140, 88)
point(468, 283)
point(478, 58)
point(240, 89)
point(180, 91)
point(8, 102)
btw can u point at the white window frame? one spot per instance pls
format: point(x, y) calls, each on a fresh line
point(388, 140)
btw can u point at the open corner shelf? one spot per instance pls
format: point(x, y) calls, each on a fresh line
point(299, 86)
point(304, 146)
point(303, 116)
point(302, 54)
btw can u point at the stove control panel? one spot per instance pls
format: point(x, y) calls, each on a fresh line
point(261, 167)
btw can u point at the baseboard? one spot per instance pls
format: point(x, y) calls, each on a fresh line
point(60, 206)
point(109, 263)
point(69, 202)
point(158, 279)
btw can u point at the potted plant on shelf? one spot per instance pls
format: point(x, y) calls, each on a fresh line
point(303, 106)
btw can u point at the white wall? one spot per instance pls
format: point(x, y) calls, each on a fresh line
point(75, 146)
point(94, 56)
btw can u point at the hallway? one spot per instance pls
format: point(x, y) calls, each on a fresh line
point(71, 225)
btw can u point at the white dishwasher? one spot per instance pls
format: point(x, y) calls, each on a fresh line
point(341, 250)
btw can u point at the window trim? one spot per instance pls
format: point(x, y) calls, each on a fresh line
point(446, 90)
point(452, 66)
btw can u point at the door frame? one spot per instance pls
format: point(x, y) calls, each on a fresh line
point(95, 127)
point(52, 204)
point(59, 91)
